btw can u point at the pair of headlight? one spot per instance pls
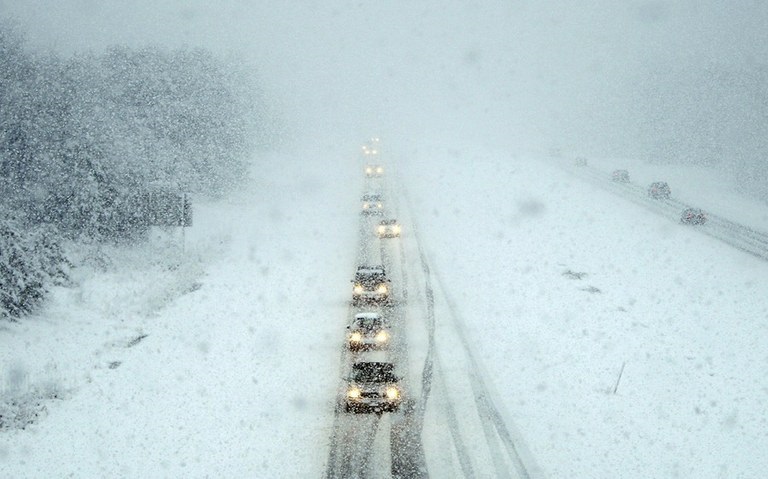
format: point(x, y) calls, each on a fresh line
point(391, 393)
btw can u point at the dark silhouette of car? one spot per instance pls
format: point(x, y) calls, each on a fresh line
point(620, 176)
point(659, 190)
point(693, 216)
point(368, 331)
point(372, 387)
point(371, 285)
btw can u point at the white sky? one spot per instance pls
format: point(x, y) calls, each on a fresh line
point(520, 74)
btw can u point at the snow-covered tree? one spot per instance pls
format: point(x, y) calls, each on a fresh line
point(85, 141)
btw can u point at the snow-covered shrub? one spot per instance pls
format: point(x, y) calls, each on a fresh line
point(31, 260)
point(19, 412)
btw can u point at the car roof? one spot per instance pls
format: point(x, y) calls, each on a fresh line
point(367, 316)
point(370, 269)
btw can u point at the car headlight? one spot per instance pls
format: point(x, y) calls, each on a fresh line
point(365, 206)
point(381, 289)
point(358, 289)
point(356, 337)
point(379, 170)
point(353, 393)
point(382, 229)
point(392, 393)
point(378, 205)
point(368, 170)
point(396, 229)
point(382, 337)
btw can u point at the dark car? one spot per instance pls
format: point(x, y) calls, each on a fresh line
point(620, 176)
point(368, 331)
point(659, 190)
point(371, 285)
point(372, 387)
point(693, 216)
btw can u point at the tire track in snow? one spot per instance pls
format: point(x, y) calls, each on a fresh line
point(432, 361)
point(408, 458)
point(489, 413)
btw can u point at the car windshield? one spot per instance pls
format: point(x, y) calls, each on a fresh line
point(370, 277)
point(373, 373)
point(369, 323)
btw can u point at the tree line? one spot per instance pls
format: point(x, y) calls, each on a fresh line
point(84, 139)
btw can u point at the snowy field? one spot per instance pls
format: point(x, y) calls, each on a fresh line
point(563, 286)
point(620, 343)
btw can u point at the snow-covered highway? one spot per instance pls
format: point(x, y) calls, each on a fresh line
point(559, 289)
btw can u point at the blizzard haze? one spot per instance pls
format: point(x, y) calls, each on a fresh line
point(593, 77)
point(544, 319)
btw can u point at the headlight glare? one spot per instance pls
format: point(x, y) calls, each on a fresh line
point(353, 393)
point(392, 393)
point(381, 289)
point(382, 337)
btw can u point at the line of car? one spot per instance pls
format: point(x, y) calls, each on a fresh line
point(658, 190)
point(372, 385)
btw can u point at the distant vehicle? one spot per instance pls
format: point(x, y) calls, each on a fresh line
point(388, 229)
point(372, 204)
point(374, 171)
point(693, 216)
point(372, 387)
point(659, 190)
point(370, 285)
point(372, 147)
point(368, 331)
point(580, 161)
point(620, 176)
